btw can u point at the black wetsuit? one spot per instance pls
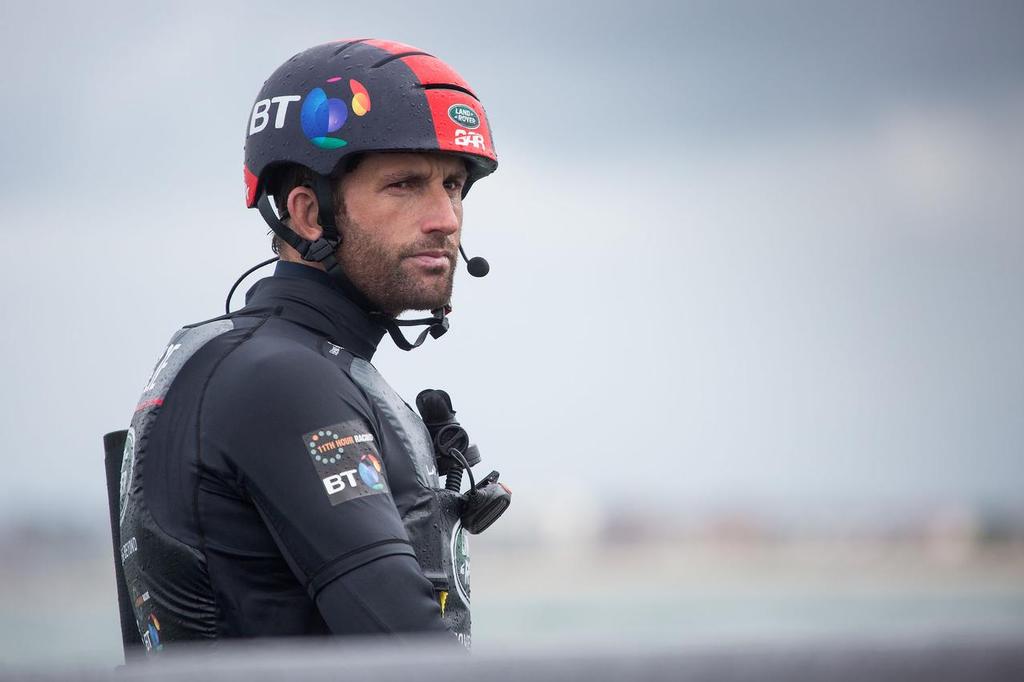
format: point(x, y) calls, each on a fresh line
point(273, 484)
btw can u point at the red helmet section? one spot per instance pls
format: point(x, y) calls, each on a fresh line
point(454, 133)
point(252, 183)
point(429, 69)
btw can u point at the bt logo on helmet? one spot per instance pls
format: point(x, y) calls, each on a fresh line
point(320, 114)
point(261, 112)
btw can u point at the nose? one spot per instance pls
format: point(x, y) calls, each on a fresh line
point(443, 213)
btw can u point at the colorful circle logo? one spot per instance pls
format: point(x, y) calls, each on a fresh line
point(322, 115)
point(370, 472)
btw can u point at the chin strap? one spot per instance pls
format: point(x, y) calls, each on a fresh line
point(438, 325)
point(322, 251)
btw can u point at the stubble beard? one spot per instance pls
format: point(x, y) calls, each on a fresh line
point(387, 278)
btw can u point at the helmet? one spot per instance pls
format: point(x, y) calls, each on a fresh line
point(336, 100)
point(342, 98)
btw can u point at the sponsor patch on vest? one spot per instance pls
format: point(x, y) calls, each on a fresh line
point(346, 460)
point(460, 561)
point(127, 471)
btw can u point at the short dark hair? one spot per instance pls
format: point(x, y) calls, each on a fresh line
point(286, 177)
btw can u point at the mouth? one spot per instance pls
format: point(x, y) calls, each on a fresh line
point(432, 258)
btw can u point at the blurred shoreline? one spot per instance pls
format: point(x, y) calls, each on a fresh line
point(720, 580)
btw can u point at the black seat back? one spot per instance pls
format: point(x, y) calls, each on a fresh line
point(113, 447)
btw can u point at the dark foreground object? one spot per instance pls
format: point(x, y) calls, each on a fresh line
point(906, 660)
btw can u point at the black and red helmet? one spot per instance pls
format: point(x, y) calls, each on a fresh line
point(366, 95)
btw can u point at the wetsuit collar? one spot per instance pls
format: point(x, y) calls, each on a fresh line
point(291, 270)
point(308, 297)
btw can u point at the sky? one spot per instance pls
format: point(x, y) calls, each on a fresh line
point(759, 255)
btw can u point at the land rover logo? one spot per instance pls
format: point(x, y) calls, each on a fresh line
point(464, 116)
point(460, 561)
point(127, 471)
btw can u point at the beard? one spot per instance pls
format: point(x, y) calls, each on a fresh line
point(382, 273)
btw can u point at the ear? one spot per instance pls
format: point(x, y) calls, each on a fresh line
point(304, 212)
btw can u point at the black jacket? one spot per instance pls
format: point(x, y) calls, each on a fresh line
point(274, 484)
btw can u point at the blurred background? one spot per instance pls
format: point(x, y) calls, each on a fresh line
point(750, 353)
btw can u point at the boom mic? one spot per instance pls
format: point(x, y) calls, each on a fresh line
point(477, 265)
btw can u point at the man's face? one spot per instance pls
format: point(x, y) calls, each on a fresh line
point(401, 228)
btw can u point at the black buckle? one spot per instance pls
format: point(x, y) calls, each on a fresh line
point(439, 328)
point(317, 251)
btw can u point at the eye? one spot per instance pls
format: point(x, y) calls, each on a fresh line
point(455, 184)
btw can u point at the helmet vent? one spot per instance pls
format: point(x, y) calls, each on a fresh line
point(450, 86)
point(348, 45)
point(393, 57)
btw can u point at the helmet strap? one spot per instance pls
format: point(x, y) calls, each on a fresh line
point(438, 325)
point(321, 250)
point(325, 200)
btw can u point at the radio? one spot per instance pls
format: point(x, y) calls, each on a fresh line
point(485, 501)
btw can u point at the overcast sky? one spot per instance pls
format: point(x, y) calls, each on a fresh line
point(765, 255)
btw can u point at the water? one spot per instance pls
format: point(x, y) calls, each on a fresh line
point(59, 609)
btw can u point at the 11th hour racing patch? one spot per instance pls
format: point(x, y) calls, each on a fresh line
point(346, 460)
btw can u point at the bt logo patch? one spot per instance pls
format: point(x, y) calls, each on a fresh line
point(322, 115)
point(346, 461)
point(335, 483)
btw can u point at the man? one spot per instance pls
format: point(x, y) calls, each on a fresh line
point(272, 483)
